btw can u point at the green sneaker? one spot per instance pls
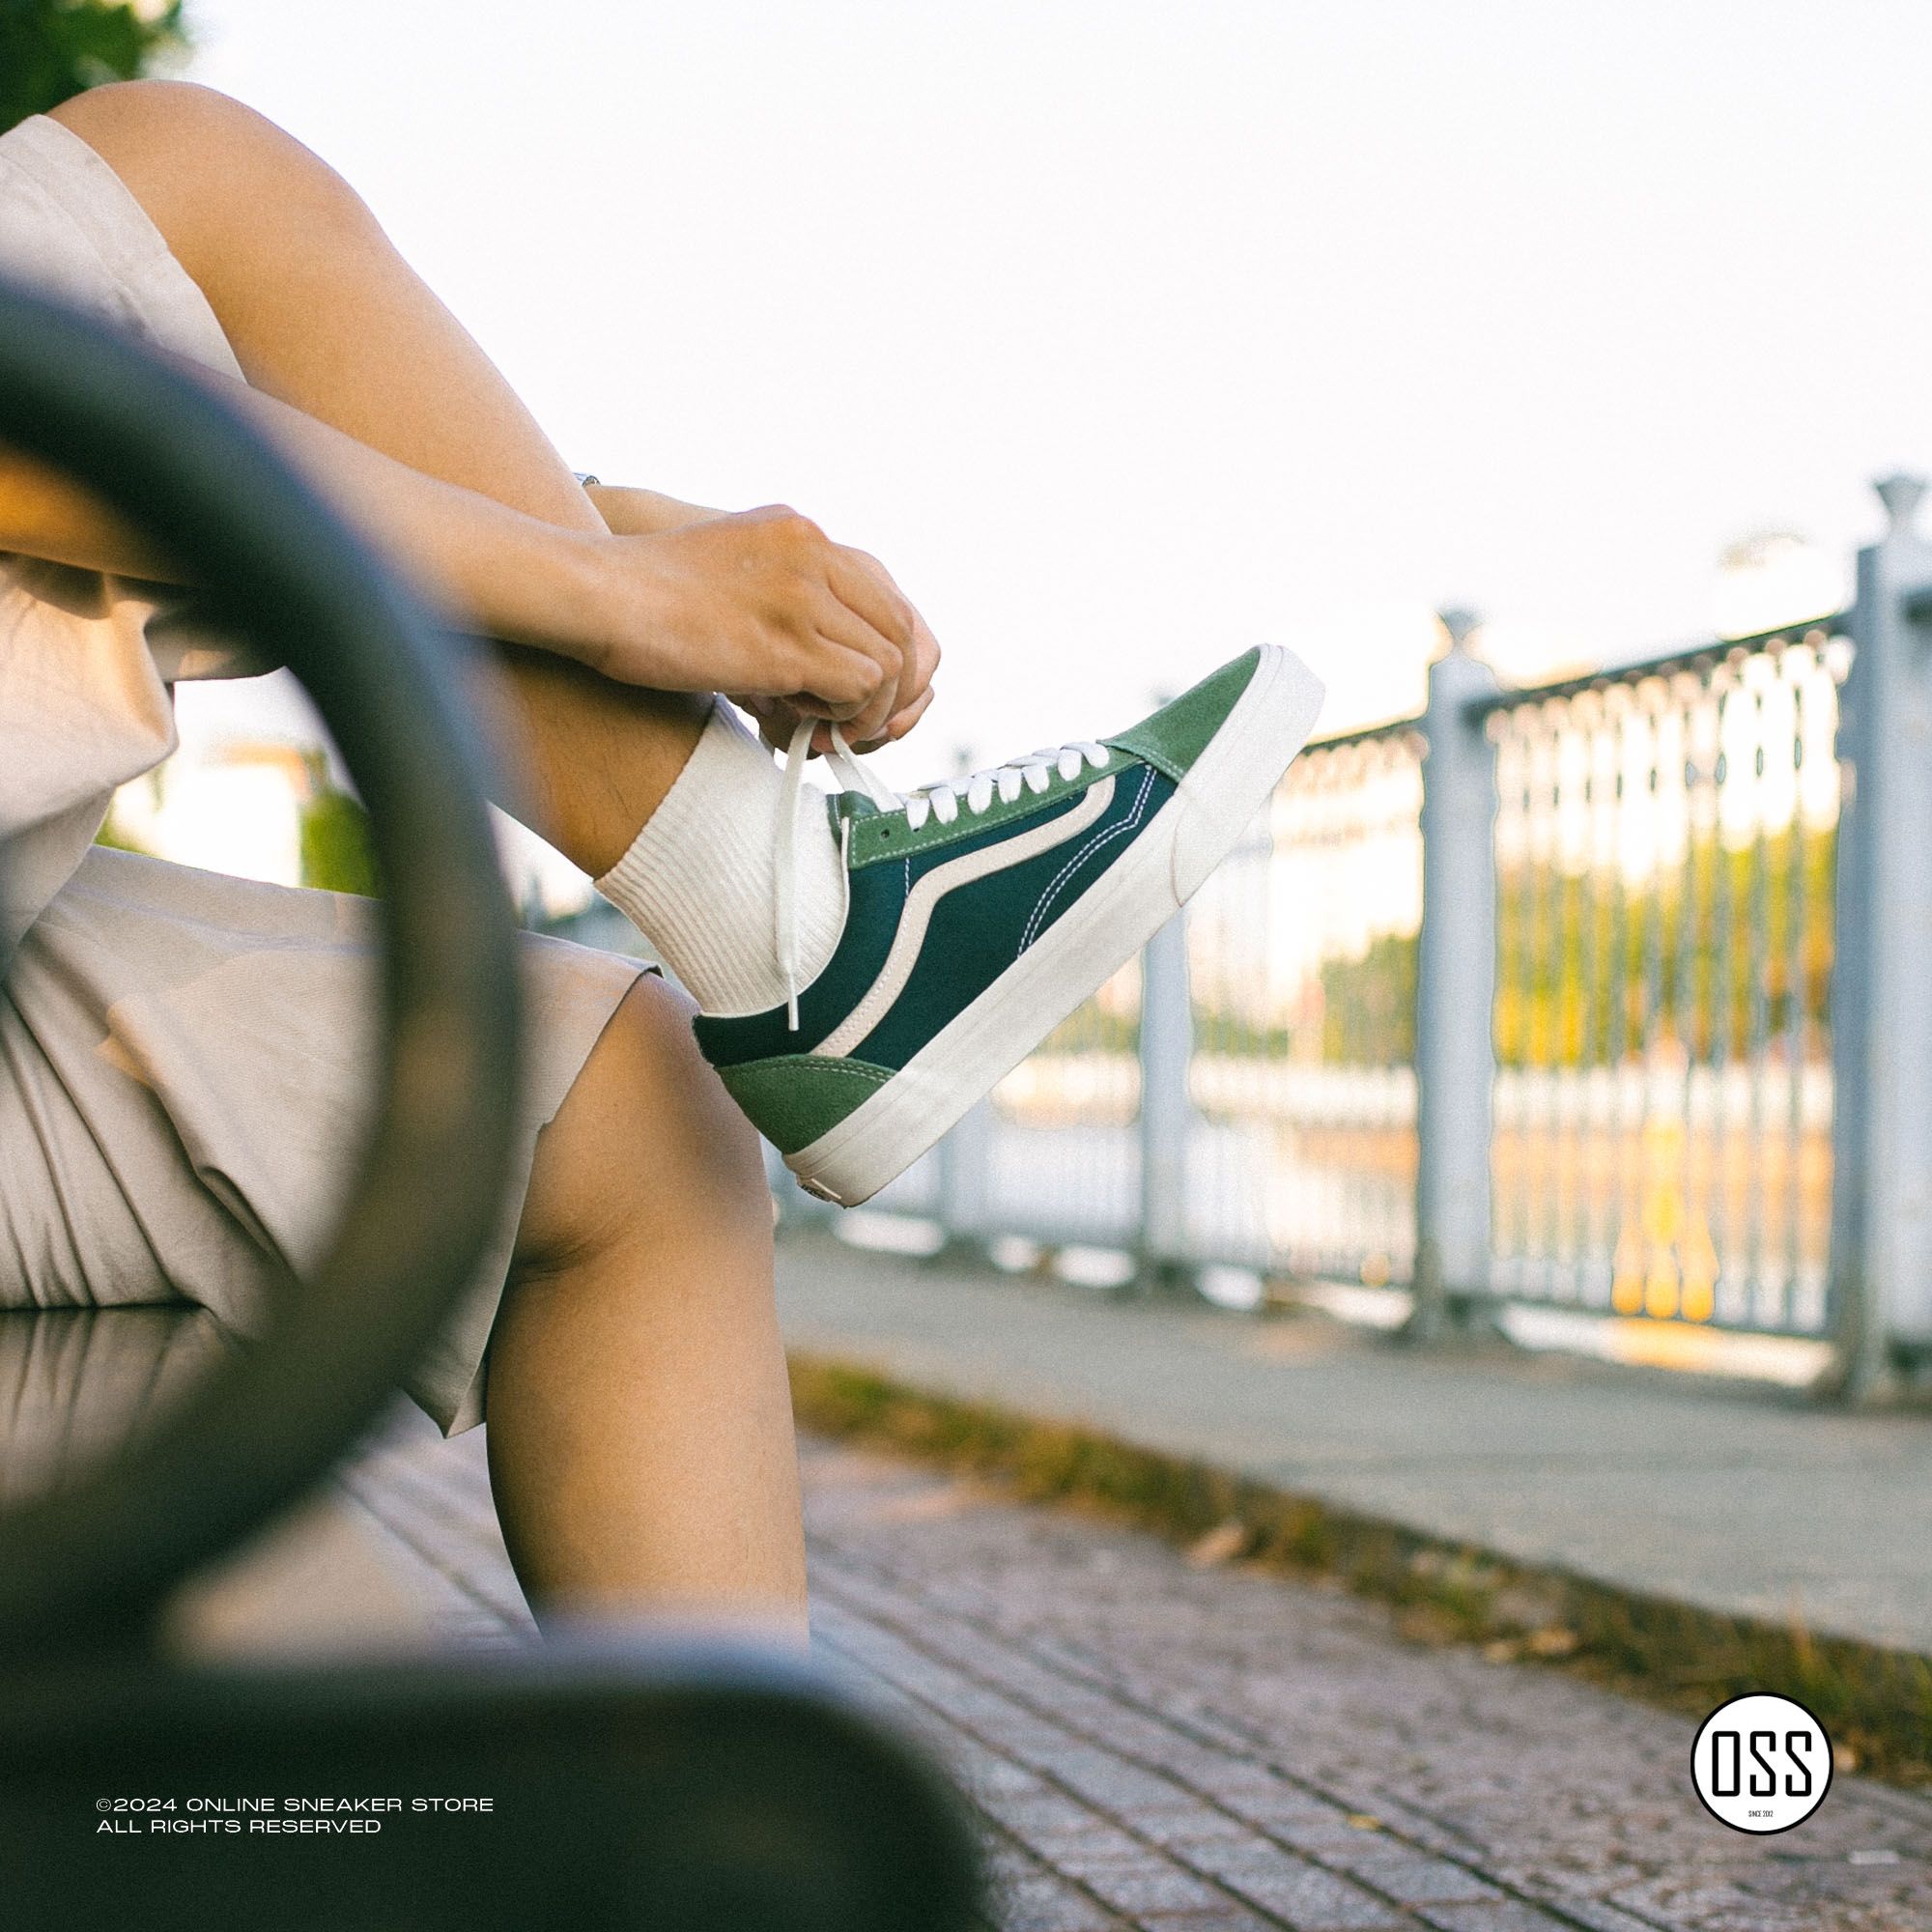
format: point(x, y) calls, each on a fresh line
point(981, 912)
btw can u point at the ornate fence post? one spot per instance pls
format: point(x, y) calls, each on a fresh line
point(1167, 1046)
point(1880, 1270)
point(1455, 989)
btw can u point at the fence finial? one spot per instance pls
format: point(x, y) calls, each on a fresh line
point(1900, 493)
point(1461, 625)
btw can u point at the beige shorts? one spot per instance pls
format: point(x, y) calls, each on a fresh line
point(185, 1072)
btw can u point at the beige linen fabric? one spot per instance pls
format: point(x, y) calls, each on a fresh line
point(185, 1059)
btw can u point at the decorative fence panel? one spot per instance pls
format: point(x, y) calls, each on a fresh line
point(1301, 954)
point(1665, 849)
point(1697, 1091)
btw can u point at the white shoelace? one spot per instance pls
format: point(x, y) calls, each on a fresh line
point(940, 802)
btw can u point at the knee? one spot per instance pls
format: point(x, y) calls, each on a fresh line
point(131, 111)
point(197, 160)
point(647, 1148)
point(674, 1111)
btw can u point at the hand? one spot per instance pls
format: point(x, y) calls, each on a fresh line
point(763, 605)
point(777, 719)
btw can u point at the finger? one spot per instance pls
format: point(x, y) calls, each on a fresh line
point(841, 627)
point(780, 740)
point(898, 726)
point(899, 723)
point(921, 649)
point(863, 585)
point(924, 664)
point(838, 685)
point(775, 719)
point(913, 676)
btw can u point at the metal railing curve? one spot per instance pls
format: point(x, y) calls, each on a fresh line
point(85, 1561)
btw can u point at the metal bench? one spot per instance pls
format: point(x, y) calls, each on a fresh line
point(632, 1783)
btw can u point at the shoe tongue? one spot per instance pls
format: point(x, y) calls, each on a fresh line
point(851, 805)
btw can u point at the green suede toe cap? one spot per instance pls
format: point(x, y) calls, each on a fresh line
point(794, 1099)
point(1178, 734)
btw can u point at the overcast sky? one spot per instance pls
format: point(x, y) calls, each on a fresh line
point(1130, 334)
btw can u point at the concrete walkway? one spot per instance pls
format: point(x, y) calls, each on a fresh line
point(1730, 1497)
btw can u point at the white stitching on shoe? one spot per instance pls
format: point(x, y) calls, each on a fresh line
point(1130, 823)
point(1031, 773)
point(915, 914)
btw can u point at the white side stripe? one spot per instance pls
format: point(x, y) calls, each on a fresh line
point(916, 915)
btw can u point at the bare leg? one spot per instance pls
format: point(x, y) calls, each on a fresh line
point(324, 314)
point(640, 1438)
point(640, 1431)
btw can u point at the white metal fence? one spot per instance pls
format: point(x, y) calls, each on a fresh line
point(1610, 994)
point(1665, 848)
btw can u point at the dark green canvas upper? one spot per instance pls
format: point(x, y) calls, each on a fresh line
point(977, 930)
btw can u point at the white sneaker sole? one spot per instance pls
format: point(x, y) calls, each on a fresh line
point(1228, 784)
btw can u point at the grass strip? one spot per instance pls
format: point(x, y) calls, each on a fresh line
point(1875, 1703)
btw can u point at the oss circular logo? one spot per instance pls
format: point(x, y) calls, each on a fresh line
point(1761, 1763)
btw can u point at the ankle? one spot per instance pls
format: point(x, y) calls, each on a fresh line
point(699, 881)
point(595, 760)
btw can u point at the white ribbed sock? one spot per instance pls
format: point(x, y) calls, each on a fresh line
point(698, 881)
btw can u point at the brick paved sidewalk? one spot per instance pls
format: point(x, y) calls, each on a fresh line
point(1165, 1747)
point(1162, 1747)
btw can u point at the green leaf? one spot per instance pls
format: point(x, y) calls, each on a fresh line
point(52, 49)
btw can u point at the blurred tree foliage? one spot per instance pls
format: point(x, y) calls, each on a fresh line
point(1092, 1029)
point(1367, 1005)
point(53, 49)
point(1583, 962)
point(337, 853)
point(1588, 968)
